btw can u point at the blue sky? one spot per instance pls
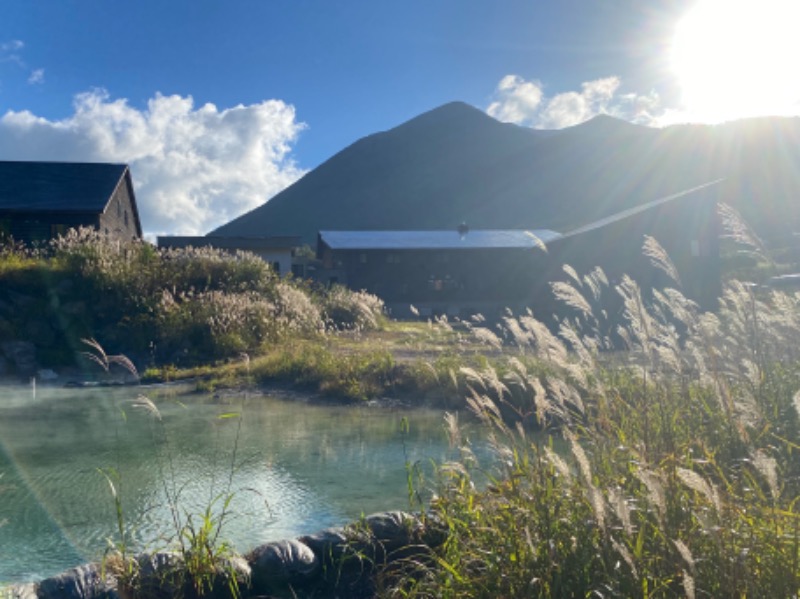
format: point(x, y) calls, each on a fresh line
point(219, 105)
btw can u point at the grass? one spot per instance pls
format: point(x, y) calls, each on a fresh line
point(417, 362)
point(666, 469)
point(199, 562)
point(163, 307)
point(670, 470)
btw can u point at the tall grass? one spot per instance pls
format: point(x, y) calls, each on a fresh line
point(668, 469)
point(196, 560)
point(173, 306)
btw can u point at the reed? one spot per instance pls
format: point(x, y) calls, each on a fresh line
point(666, 470)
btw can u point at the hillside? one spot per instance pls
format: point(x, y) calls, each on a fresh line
point(455, 163)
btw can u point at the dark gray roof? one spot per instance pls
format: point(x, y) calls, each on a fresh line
point(58, 186)
point(428, 240)
point(231, 243)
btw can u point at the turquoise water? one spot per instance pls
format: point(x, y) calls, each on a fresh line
point(298, 467)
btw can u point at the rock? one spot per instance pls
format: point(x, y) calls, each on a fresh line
point(328, 543)
point(20, 591)
point(393, 529)
point(160, 575)
point(238, 568)
point(163, 575)
point(282, 563)
point(83, 582)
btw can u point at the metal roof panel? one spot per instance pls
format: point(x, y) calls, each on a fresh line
point(429, 240)
point(58, 186)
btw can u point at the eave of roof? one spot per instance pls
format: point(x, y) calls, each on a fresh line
point(432, 240)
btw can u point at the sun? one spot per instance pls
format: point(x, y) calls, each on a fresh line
point(738, 58)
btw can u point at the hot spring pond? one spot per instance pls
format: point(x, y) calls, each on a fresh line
point(299, 467)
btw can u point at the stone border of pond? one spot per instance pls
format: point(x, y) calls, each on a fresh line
point(335, 562)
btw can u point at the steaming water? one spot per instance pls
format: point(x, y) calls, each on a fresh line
point(299, 468)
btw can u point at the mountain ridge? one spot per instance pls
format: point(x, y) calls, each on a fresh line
point(455, 163)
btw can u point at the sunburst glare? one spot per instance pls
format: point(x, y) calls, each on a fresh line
point(736, 58)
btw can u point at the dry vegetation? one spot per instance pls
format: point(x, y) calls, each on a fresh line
point(652, 454)
point(668, 470)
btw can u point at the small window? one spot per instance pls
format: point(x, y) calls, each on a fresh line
point(276, 266)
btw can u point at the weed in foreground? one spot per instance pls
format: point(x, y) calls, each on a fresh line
point(198, 561)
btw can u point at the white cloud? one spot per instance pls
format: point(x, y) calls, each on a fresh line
point(9, 51)
point(522, 102)
point(194, 168)
point(516, 100)
point(36, 76)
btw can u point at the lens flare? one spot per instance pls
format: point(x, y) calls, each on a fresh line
point(737, 58)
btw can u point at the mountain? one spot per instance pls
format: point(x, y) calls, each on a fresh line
point(456, 164)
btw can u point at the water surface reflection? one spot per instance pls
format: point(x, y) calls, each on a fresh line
point(299, 467)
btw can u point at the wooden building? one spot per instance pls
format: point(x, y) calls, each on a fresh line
point(455, 272)
point(42, 200)
point(685, 224)
point(276, 251)
point(464, 272)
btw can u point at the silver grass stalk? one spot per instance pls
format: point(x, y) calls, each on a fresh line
point(542, 405)
point(598, 506)
point(659, 258)
point(735, 228)
point(620, 505)
point(688, 585)
point(558, 463)
point(487, 337)
point(767, 466)
point(580, 456)
point(796, 403)
point(697, 483)
point(626, 556)
point(565, 393)
point(685, 553)
point(655, 491)
point(569, 296)
point(453, 429)
point(572, 273)
point(578, 344)
point(145, 404)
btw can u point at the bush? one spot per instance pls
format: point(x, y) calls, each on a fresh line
point(351, 310)
point(177, 305)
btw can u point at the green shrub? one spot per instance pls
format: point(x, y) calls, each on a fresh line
point(184, 306)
